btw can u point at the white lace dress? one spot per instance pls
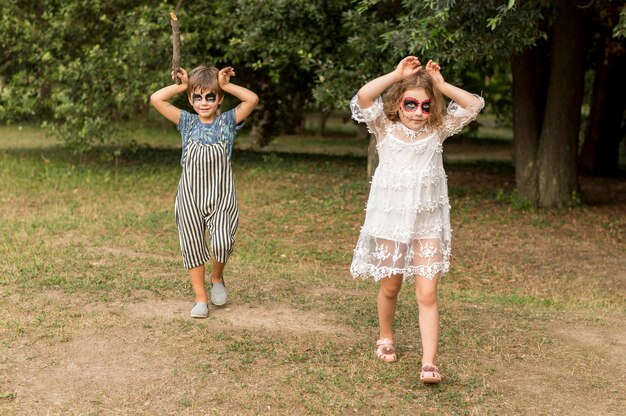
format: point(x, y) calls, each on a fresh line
point(407, 221)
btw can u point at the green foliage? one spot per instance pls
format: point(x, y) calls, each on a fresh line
point(284, 47)
point(103, 59)
point(82, 66)
point(465, 31)
point(354, 62)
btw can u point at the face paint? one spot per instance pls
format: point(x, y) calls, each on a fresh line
point(209, 98)
point(410, 104)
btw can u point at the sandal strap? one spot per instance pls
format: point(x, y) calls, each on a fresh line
point(386, 342)
point(430, 374)
point(430, 368)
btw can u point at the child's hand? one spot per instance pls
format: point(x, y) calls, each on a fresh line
point(408, 66)
point(225, 74)
point(434, 70)
point(182, 75)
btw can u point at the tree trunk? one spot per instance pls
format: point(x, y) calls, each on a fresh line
point(321, 127)
point(558, 142)
point(530, 80)
point(261, 129)
point(600, 152)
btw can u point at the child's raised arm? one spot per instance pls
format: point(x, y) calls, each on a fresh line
point(370, 91)
point(160, 99)
point(249, 100)
point(460, 96)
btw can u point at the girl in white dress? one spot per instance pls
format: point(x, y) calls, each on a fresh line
point(406, 234)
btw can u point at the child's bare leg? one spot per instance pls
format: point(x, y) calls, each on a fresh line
point(426, 293)
point(217, 271)
point(197, 283)
point(386, 302)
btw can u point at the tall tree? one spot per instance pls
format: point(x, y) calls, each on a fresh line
point(605, 125)
point(558, 140)
point(530, 85)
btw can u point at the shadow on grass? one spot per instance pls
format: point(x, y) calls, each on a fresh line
point(465, 176)
point(111, 156)
point(143, 156)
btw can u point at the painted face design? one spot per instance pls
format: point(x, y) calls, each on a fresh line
point(209, 98)
point(410, 104)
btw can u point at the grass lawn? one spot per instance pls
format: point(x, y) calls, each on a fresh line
point(95, 301)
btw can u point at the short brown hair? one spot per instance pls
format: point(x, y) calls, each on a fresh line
point(391, 100)
point(206, 78)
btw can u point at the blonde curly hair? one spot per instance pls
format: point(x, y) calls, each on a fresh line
point(393, 98)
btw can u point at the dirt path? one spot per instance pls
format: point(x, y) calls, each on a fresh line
point(114, 357)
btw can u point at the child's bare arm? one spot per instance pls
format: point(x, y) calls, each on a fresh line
point(460, 96)
point(249, 100)
point(160, 99)
point(370, 91)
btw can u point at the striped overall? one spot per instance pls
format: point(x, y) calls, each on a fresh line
point(206, 199)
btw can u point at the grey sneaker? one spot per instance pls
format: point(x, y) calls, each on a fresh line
point(218, 293)
point(200, 310)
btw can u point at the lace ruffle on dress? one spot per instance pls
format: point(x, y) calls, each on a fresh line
point(407, 221)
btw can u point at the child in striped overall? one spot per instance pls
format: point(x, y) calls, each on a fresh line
point(206, 198)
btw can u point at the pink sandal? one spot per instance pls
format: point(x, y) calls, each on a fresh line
point(386, 350)
point(430, 374)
